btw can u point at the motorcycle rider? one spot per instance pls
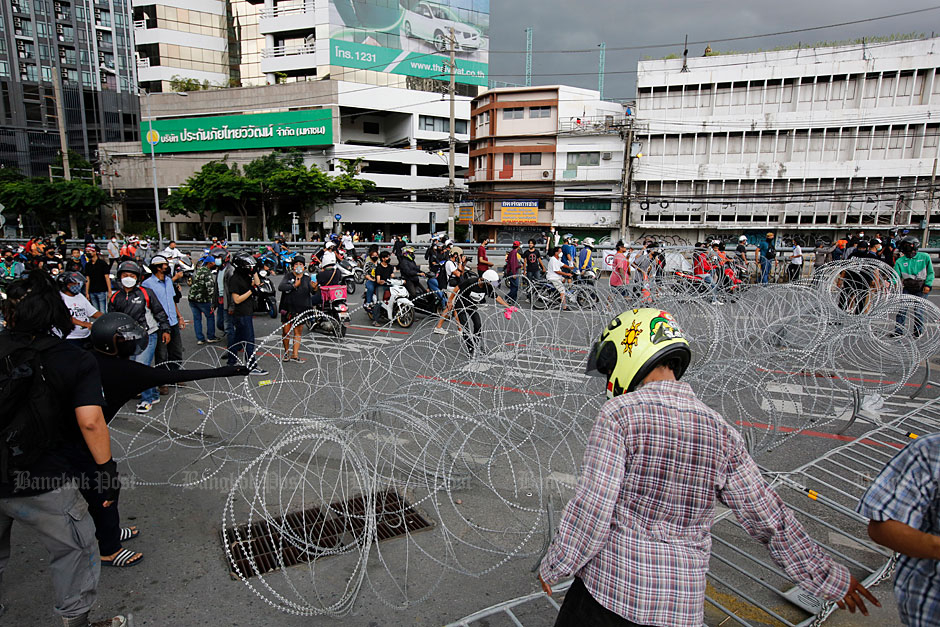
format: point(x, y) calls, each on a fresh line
point(916, 273)
point(329, 254)
point(10, 268)
point(383, 272)
point(410, 272)
point(586, 257)
point(470, 293)
point(368, 269)
point(296, 296)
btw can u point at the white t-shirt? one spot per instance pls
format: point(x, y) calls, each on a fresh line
point(347, 242)
point(797, 258)
point(329, 257)
point(554, 267)
point(80, 309)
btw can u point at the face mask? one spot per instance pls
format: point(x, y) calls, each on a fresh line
point(298, 269)
point(8, 260)
point(75, 289)
point(129, 281)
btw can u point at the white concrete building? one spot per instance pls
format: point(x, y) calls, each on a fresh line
point(398, 133)
point(546, 155)
point(811, 140)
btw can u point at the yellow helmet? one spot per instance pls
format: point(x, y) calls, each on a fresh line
point(633, 345)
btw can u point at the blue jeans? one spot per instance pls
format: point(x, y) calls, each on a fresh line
point(901, 317)
point(377, 307)
point(220, 317)
point(434, 286)
point(99, 300)
point(765, 265)
point(244, 337)
point(146, 358)
point(199, 310)
point(370, 291)
point(513, 282)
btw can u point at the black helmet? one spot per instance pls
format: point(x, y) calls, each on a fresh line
point(909, 245)
point(118, 334)
point(298, 259)
point(129, 266)
point(243, 261)
point(64, 279)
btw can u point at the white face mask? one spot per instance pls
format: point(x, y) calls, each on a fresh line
point(298, 269)
point(129, 281)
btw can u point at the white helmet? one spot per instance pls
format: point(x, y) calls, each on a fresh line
point(330, 245)
point(589, 241)
point(491, 277)
point(743, 238)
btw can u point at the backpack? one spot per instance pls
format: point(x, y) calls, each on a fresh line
point(32, 424)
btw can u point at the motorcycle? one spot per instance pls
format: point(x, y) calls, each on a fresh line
point(352, 266)
point(348, 274)
point(332, 316)
point(427, 302)
point(727, 282)
point(396, 305)
point(264, 294)
point(185, 265)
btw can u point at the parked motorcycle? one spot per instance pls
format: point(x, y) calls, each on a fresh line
point(332, 316)
point(427, 302)
point(265, 294)
point(396, 305)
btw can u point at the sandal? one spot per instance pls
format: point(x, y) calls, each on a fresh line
point(299, 360)
point(286, 358)
point(129, 533)
point(123, 559)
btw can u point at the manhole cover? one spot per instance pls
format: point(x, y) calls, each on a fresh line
point(302, 537)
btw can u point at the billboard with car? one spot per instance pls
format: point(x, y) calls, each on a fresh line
point(412, 37)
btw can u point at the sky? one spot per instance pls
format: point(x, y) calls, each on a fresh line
point(584, 24)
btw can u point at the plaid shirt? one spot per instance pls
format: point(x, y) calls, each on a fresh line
point(637, 531)
point(906, 491)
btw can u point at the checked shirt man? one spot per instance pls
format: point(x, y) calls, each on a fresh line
point(636, 536)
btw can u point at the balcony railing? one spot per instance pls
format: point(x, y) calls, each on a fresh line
point(592, 125)
point(143, 63)
point(140, 24)
point(306, 8)
point(288, 51)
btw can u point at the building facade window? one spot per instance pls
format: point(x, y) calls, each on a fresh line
point(530, 158)
point(441, 125)
point(576, 159)
point(540, 112)
point(587, 205)
point(514, 114)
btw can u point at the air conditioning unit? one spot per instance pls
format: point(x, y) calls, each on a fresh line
point(546, 174)
point(59, 28)
point(602, 220)
point(607, 156)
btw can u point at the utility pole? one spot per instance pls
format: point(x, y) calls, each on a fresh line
point(528, 57)
point(600, 70)
point(453, 139)
point(152, 139)
point(63, 143)
point(925, 242)
point(626, 183)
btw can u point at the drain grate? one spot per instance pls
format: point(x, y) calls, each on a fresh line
point(302, 537)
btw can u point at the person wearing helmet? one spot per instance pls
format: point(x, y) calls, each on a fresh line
point(116, 339)
point(141, 304)
point(241, 288)
point(636, 534)
point(740, 251)
point(383, 272)
point(329, 255)
point(410, 272)
point(203, 299)
point(470, 294)
point(297, 293)
point(915, 271)
point(72, 287)
point(586, 257)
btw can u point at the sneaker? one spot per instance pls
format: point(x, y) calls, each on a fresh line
point(200, 342)
point(258, 371)
point(143, 407)
point(212, 340)
point(440, 331)
point(155, 401)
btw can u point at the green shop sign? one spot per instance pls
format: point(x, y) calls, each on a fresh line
point(313, 127)
point(393, 61)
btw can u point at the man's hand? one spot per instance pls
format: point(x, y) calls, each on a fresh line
point(182, 322)
point(547, 589)
point(854, 600)
point(165, 337)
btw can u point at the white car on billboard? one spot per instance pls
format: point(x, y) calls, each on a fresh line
point(431, 23)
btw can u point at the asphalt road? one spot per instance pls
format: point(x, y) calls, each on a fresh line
point(184, 578)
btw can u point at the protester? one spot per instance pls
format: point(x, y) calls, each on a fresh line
point(514, 266)
point(471, 293)
point(766, 255)
point(483, 262)
point(296, 292)
point(114, 252)
point(168, 354)
point(67, 411)
point(383, 272)
point(71, 286)
point(636, 534)
point(240, 289)
point(557, 274)
point(533, 266)
point(10, 268)
point(795, 267)
point(916, 273)
point(75, 262)
point(901, 504)
point(98, 273)
point(141, 304)
point(620, 269)
point(203, 299)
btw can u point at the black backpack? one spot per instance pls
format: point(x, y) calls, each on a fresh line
point(30, 424)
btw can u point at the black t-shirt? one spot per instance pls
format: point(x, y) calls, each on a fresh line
point(864, 277)
point(239, 284)
point(384, 273)
point(741, 249)
point(73, 373)
point(531, 257)
point(330, 277)
point(96, 272)
point(297, 300)
point(473, 292)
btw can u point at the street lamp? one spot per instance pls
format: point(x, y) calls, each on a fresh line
point(152, 140)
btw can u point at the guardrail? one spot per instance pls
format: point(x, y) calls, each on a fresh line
point(306, 9)
point(287, 51)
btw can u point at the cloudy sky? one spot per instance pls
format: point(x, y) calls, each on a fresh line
point(578, 25)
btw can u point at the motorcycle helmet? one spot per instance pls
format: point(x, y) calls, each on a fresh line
point(118, 334)
point(742, 239)
point(244, 262)
point(491, 277)
point(909, 245)
point(129, 266)
point(634, 344)
point(589, 242)
point(159, 260)
point(66, 279)
point(410, 252)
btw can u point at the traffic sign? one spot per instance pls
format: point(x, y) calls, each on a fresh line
point(338, 217)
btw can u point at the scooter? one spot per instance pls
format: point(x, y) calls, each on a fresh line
point(353, 267)
point(264, 295)
point(348, 274)
point(332, 316)
point(185, 265)
point(396, 305)
point(427, 302)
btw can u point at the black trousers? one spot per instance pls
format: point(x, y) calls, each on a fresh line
point(172, 352)
point(581, 610)
point(107, 519)
point(469, 316)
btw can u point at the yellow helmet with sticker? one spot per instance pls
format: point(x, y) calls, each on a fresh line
point(633, 345)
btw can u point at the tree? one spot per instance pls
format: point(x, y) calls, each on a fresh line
point(53, 202)
point(185, 202)
point(183, 83)
point(216, 188)
point(304, 189)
